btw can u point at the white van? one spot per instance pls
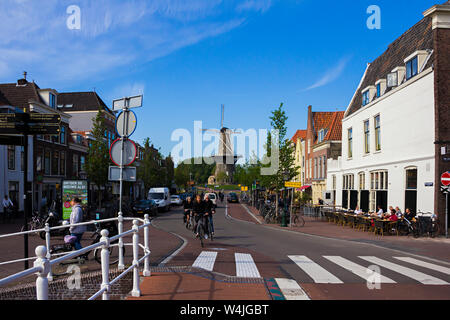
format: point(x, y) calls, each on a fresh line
point(161, 196)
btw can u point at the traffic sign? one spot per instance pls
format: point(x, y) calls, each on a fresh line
point(129, 152)
point(126, 123)
point(45, 118)
point(131, 102)
point(445, 178)
point(292, 184)
point(129, 174)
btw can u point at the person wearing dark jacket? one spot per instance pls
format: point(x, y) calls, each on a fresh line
point(198, 210)
point(209, 211)
point(187, 209)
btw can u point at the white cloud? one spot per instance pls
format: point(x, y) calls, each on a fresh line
point(330, 75)
point(34, 35)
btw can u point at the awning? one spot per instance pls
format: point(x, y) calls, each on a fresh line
point(303, 188)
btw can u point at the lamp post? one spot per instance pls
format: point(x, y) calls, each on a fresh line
point(283, 220)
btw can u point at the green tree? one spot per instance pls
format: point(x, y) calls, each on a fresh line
point(98, 162)
point(151, 171)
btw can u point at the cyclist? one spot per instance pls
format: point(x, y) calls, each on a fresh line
point(76, 217)
point(209, 211)
point(198, 210)
point(187, 210)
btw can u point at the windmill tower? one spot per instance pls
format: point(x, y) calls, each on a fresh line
point(225, 159)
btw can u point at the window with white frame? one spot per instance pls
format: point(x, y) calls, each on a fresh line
point(379, 180)
point(377, 133)
point(350, 142)
point(366, 137)
point(366, 97)
point(362, 180)
point(411, 68)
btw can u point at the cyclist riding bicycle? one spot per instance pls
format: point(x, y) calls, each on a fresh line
point(187, 209)
point(209, 211)
point(198, 210)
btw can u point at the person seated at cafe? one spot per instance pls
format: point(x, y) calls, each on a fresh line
point(380, 212)
point(409, 215)
point(398, 212)
point(392, 216)
point(358, 210)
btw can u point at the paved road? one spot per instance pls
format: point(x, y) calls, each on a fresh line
point(325, 268)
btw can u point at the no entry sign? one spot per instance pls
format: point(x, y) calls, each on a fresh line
point(445, 178)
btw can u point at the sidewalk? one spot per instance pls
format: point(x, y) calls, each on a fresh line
point(187, 283)
point(438, 248)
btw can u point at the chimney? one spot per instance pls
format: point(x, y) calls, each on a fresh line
point(23, 82)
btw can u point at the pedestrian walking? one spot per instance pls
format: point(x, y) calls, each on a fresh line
point(76, 216)
point(7, 208)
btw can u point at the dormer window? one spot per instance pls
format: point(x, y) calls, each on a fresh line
point(52, 100)
point(411, 68)
point(380, 87)
point(366, 98)
point(322, 134)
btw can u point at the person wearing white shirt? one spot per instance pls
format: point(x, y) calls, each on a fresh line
point(380, 212)
point(358, 210)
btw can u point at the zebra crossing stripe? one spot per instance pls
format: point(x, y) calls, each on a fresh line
point(425, 264)
point(245, 266)
point(416, 275)
point(291, 289)
point(205, 260)
point(360, 271)
point(312, 269)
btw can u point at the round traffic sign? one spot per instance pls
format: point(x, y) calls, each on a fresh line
point(129, 152)
point(445, 178)
point(126, 123)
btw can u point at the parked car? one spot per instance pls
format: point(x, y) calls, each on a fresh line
point(143, 207)
point(161, 196)
point(176, 200)
point(212, 197)
point(232, 197)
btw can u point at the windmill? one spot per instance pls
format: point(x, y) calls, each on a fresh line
point(225, 159)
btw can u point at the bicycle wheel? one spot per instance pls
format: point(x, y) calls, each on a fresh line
point(201, 233)
point(435, 229)
point(113, 254)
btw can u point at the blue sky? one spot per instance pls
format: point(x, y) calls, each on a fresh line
point(189, 57)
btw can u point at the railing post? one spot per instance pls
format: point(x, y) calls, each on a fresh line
point(42, 281)
point(120, 265)
point(146, 272)
point(136, 292)
point(47, 244)
point(105, 263)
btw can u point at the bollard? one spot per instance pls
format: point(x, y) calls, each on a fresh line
point(42, 281)
point(105, 263)
point(120, 265)
point(146, 272)
point(47, 244)
point(136, 292)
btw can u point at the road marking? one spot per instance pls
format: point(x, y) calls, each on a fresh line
point(205, 260)
point(357, 269)
point(245, 266)
point(291, 289)
point(250, 213)
point(425, 264)
point(316, 272)
point(416, 275)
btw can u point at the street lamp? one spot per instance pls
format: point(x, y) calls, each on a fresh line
point(285, 178)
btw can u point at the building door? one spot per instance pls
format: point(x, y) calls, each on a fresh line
point(411, 189)
point(353, 199)
point(382, 200)
point(344, 199)
point(411, 200)
point(364, 201)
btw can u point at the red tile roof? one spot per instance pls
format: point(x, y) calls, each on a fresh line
point(299, 134)
point(329, 121)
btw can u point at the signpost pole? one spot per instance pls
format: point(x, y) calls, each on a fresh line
point(446, 214)
point(121, 265)
point(25, 197)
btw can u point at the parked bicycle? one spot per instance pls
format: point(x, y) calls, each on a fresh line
point(36, 222)
point(69, 245)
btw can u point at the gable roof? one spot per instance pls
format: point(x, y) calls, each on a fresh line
point(299, 134)
point(330, 121)
point(21, 95)
point(82, 101)
point(418, 37)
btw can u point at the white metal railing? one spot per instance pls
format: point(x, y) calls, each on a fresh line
point(43, 263)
